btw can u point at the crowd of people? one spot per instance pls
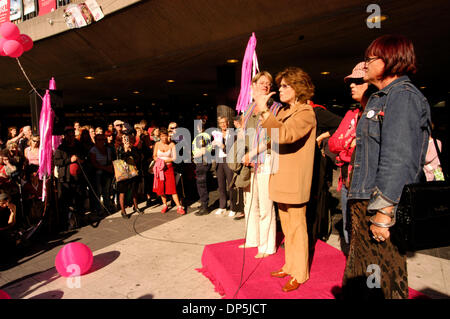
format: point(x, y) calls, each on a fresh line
point(274, 163)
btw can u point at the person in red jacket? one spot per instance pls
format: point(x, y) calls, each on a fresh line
point(343, 142)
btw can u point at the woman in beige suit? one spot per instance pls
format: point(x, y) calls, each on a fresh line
point(293, 134)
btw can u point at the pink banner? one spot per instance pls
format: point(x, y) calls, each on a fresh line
point(4, 11)
point(46, 6)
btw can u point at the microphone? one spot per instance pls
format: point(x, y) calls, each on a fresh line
point(270, 102)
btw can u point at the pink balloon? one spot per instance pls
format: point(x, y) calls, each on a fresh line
point(12, 48)
point(74, 259)
point(4, 295)
point(2, 41)
point(26, 42)
point(9, 31)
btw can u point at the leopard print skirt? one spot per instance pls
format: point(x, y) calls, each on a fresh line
point(374, 269)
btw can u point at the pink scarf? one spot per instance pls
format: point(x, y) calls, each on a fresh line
point(158, 170)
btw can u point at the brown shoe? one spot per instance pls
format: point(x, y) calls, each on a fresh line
point(279, 274)
point(291, 285)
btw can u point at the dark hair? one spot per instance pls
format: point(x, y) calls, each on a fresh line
point(163, 130)
point(367, 93)
point(397, 53)
point(97, 136)
point(5, 152)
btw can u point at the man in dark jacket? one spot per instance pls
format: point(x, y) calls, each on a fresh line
point(67, 159)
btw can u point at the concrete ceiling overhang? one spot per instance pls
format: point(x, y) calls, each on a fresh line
point(139, 47)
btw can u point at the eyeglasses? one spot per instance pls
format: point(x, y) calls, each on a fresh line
point(36, 141)
point(173, 127)
point(369, 60)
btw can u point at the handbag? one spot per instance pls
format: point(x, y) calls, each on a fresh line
point(423, 217)
point(150, 167)
point(124, 170)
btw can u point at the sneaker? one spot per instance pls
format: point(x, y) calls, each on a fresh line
point(164, 209)
point(180, 210)
point(220, 211)
point(239, 216)
point(231, 213)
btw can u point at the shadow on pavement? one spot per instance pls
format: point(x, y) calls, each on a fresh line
point(54, 294)
point(103, 260)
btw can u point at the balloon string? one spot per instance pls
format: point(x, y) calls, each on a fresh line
point(31, 84)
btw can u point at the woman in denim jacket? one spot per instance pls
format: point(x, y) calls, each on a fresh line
point(391, 144)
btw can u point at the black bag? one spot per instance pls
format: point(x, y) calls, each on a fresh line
point(423, 217)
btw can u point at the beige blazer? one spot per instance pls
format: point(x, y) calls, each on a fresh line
point(291, 180)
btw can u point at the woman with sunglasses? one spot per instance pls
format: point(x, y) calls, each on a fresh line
point(391, 145)
point(343, 141)
point(32, 151)
point(292, 169)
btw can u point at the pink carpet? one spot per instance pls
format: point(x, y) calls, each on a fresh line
point(222, 265)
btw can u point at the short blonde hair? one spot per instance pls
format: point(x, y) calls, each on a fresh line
point(260, 74)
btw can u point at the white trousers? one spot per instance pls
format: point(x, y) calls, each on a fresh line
point(260, 219)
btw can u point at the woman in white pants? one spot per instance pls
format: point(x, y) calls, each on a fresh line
point(259, 209)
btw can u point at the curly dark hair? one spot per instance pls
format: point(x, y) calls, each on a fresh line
point(299, 80)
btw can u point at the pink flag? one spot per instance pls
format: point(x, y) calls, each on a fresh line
point(249, 64)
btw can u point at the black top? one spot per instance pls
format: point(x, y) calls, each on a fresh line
point(5, 212)
point(327, 121)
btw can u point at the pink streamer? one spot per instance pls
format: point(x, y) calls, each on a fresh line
point(56, 141)
point(45, 132)
point(245, 97)
point(52, 84)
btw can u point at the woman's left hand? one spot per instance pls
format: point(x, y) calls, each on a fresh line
point(261, 101)
point(380, 233)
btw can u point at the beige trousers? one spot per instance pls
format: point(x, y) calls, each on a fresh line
point(260, 218)
point(293, 223)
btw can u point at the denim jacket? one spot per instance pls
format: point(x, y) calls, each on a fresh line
point(391, 144)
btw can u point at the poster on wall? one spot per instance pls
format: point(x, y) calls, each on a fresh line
point(15, 10)
point(74, 17)
point(46, 6)
point(28, 7)
point(95, 9)
point(4, 11)
point(82, 14)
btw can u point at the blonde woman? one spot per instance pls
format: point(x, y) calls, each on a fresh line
point(32, 151)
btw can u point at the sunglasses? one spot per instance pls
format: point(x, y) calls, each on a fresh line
point(357, 81)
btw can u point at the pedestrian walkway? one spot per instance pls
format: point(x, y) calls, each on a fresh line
point(155, 256)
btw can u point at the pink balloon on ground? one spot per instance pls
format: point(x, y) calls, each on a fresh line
point(74, 259)
point(26, 42)
point(9, 31)
point(4, 295)
point(13, 48)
